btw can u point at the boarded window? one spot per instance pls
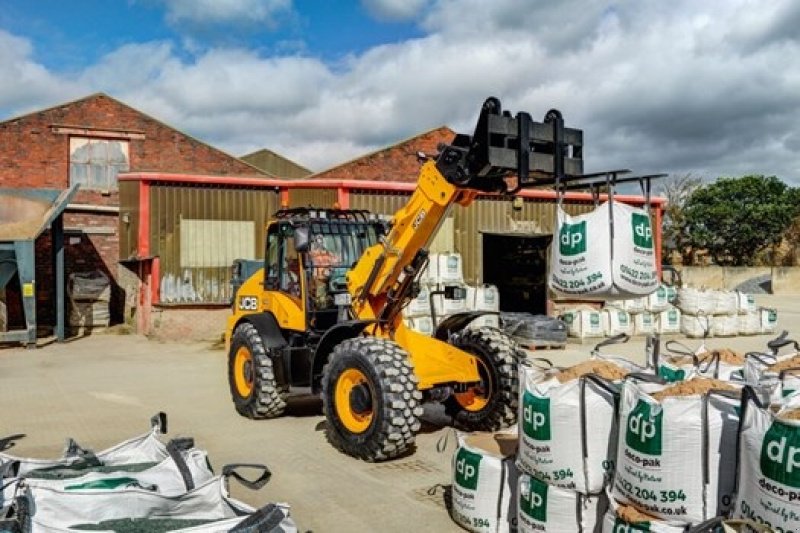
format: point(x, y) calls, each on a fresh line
point(95, 163)
point(216, 243)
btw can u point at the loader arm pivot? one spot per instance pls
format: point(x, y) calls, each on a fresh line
point(504, 155)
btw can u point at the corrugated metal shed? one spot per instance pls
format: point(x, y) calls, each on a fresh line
point(195, 226)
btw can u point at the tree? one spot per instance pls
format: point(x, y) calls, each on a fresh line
point(677, 190)
point(734, 218)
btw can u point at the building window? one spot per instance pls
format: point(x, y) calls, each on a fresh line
point(95, 163)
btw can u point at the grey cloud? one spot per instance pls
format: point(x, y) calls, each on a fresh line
point(395, 10)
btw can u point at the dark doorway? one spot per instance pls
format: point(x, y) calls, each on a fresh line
point(517, 265)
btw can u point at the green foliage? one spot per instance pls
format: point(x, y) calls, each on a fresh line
point(734, 218)
point(677, 190)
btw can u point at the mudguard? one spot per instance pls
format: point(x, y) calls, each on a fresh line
point(332, 337)
point(457, 322)
point(267, 327)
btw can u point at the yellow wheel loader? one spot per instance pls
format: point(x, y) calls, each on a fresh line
point(322, 316)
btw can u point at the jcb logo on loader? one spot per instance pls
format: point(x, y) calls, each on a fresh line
point(780, 454)
point(536, 416)
point(643, 432)
point(467, 466)
point(572, 238)
point(248, 303)
point(533, 501)
point(642, 232)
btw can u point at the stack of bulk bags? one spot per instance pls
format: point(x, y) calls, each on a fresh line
point(592, 261)
point(417, 313)
point(769, 463)
point(583, 323)
point(616, 322)
point(567, 444)
point(697, 306)
point(749, 317)
point(677, 449)
point(89, 296)
point(485, 482)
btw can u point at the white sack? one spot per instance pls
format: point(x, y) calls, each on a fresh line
point(749, 323)
point(616, 321)
point(725, 325)
point(484, 481)
point(692, 301)
point(419, 306)
point(633, 305)
point(745, 303)
point(769, 320)
point(669, 321)
point(726, 303)
point(450, 268)
point(542, 508)
point(644, 323)
point(487, 298)
point(587, 262)
point(659, 300)
point(769, 467)
point(555, 427)
point(696, 326)
point(583, 323)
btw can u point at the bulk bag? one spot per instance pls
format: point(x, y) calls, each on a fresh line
point(627, 519)
point(668, 437)
point(769, 463)
point(484, 481)
point(568, 424)
point(591, 261)
point(546, 508)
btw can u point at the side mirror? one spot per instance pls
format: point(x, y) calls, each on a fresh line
point(301, 238)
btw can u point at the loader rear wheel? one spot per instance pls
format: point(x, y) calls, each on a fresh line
point(251, 377)
point(492, 405)
point(370, 399)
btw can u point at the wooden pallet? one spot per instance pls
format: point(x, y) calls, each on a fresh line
point(533, 346)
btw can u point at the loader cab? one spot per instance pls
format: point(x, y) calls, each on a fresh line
point(308, 254)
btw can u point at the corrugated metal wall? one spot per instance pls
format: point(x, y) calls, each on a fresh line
point(198, 270)
point(128, 219)
point(312, 197)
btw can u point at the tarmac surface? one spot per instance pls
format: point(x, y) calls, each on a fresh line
point(104, 388)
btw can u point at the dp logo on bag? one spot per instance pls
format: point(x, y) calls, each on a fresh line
point(780, 454)
point(572, 238)
point(533, 501)
point(624, 527)
point(642, 232)
point(536, 416)
point(467, 467)
point(643, 432)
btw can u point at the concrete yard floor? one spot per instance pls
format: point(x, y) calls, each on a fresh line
point(103, 389)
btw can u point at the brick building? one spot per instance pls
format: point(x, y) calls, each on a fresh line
point(89, 141)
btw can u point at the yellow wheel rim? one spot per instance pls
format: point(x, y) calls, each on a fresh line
point(243, 371)
point(355, 422)
point(478, 397)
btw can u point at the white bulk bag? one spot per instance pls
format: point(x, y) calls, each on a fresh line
point(484, 481)
point(769, 320)
point(633, 305)
point(669, 321)
point(644, 323)
point(724, 326)
point(419, 306)
point(587, 262)
point(450, 268)
point(659, 300)
point(567, 430)
point(665, 447)
point(448, 306)
point(692, 301)
point(542, 507)
point(616, 321)
point(583, 323)
point(769, 465)
point(487, 298)
point(726, 303)
point(745, 303)
point(696, 326)
point(749, 323)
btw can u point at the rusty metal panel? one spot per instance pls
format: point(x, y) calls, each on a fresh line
point(197, 230)
point(312, 197)
point(128, 219)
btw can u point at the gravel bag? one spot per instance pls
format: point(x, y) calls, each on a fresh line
point(484, 481)
point(680, 363)
point(693, 301)
point(769, 464)
point(677, 449)
point(568, 424)
point(542, 507)
point(616, 321)
point(591, 260)
point(669, 321)
point(622, 518)
point(583, 323)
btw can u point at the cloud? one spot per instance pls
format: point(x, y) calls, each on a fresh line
point(234, 12)
point(395, 10)
point(707, 88)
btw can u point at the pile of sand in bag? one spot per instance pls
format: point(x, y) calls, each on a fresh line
point(792, 362)
point(603, 369)
point(632, 515)
point(725, 355)
point(693, 387)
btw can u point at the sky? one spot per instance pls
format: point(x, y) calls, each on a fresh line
point(707, 88)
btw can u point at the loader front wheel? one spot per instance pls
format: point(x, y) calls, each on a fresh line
point(251, 377)
point(370, 399)
point(492, 404)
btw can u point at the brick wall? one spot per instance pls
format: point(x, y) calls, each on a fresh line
point(194, 324)
point(33, 154)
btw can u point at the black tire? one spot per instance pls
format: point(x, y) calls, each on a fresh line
point(497, 355)
point(261, 399)
point(390, 400)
